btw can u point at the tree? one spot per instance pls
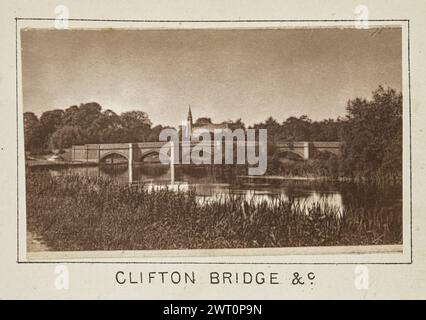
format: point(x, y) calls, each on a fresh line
point(33, 135)
point(66, 137)
point(237, 124)
point(155, 132)
point(132, 119)
point(326, 130)
point(87, 114)
point(137, 124)
point(69, 117)
point(373, 132)
point(296, 129)
point(87, 123)
point(203, 121)
point(106, 128)
point(50, 121)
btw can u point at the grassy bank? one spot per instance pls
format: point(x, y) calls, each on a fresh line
point(84, 213)
point(330, 169)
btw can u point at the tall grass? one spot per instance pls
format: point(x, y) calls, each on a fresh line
point(73, 212)
point(332, 169)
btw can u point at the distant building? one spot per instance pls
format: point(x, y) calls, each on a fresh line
point(202, 123)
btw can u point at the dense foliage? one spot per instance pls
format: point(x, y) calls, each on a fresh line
point(87, 123)
point(371, 132)
point(73, 212)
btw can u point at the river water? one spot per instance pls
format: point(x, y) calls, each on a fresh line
point(211, 184)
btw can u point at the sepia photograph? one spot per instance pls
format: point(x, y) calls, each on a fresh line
point(210, 158)
point(213, 138)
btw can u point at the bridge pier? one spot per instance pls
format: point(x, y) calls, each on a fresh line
point(130, 165)
point(172, 163)
point(306, 150)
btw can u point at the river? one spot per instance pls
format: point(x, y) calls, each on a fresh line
point(213, 184)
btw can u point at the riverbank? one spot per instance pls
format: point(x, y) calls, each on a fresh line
point(86, 213)
point(381, 179)
point(313, 178)
point(272, 177)
point(57, 164)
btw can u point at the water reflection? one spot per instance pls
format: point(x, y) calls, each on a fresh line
point(214, 184)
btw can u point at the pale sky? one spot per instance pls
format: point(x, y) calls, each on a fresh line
point(222, 74)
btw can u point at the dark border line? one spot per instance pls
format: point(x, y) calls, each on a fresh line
point(217, 263)
point(232, 20)
point(17, 139)
point(411, 157)
point(212, 263)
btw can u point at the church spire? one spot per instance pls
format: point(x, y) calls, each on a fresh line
point(189, 114)
point(189, 123)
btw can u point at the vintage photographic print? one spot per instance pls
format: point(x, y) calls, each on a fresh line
point(213, 138)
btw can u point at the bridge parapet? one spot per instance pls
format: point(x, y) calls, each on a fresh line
point(108, 146)
point(327, 144)
point(308, 149)
point(149, 144)
point(137, 151)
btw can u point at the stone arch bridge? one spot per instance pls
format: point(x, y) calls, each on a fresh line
point(137, 152)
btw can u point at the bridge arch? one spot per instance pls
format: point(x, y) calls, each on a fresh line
point(146, 154)
point(111, 154)
point(290, 154)
point(325, 154)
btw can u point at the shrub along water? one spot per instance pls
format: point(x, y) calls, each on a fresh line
point(73, 212)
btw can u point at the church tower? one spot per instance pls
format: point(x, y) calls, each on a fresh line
point(189, 122)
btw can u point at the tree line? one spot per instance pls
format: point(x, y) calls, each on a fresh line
point(87, 123)
point(371, 130)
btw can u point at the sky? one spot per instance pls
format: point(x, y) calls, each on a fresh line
point(223, 74)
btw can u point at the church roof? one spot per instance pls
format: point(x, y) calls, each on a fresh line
point(211, 126)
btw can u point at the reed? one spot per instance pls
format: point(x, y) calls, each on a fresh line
point(333, 170)
point(73, 212)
